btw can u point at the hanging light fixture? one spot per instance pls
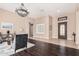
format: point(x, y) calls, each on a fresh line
point(22, 11)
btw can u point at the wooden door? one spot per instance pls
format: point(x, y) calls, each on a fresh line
point(62, 30)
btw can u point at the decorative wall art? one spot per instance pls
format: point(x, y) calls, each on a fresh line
point(5, 25)
point(62, 18)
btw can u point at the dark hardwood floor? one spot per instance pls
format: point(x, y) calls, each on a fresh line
point(47, 49)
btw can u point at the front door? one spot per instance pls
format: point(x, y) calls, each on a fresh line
point(62, 30)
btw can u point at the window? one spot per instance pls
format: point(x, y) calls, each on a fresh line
point(40, 28)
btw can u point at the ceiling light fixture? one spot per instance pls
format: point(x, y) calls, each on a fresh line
point(22, 11)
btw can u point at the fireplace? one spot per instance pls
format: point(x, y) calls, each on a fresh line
point(19, 41)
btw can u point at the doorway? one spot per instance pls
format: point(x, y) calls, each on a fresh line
point(30, 30)
point(62, 30)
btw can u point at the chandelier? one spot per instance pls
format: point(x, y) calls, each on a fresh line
point(22, 11)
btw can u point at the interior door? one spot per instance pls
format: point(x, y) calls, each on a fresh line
point(62, 30)
point(30, 30)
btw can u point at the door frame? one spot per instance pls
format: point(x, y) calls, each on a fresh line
point(62, 37)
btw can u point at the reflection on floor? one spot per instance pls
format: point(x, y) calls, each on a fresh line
point(62, 42)
point(47, 49)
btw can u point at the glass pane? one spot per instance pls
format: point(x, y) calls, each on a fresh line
point(62, 29)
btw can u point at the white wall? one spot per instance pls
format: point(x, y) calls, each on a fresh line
point(71, 27)
point(77, 27)
point(20, 23)
point(42, 20)
point(54, 28)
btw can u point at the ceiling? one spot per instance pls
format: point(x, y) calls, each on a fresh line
point(37, 9)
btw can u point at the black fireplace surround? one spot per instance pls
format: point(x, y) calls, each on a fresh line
point(21, 41)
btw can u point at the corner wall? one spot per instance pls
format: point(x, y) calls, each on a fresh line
point(20, 23)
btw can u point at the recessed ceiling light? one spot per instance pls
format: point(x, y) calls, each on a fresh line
point(58, 11)
point(42, 10)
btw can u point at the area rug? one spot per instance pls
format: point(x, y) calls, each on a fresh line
point(9, 52)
